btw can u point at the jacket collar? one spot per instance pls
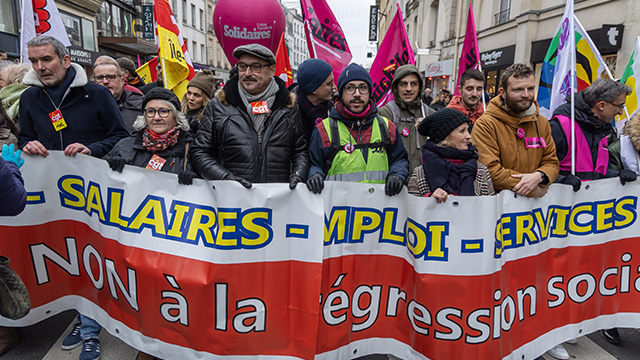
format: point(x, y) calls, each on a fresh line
point(230, 94)
point(80, 80)
point(498, 110)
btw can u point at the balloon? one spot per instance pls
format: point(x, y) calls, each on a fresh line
point(248, 22)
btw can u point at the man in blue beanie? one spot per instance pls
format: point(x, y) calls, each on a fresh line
point(354, 143)
point(314, 92)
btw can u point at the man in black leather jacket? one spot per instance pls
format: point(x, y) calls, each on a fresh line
point(250, 131)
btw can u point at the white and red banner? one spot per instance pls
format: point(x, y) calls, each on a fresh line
point(200, 272)
point(394, 52)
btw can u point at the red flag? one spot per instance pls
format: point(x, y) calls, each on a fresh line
point(470, 56)
point(325, 38)
point(283, 66)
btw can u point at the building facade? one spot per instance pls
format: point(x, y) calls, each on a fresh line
point(295, 38)
point(509, 32)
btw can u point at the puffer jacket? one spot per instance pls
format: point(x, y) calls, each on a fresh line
point(227, 142)
point(594, 131)
point(495, 134)
point(135, 154)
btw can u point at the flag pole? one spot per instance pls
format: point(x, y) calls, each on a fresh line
point(572, 78)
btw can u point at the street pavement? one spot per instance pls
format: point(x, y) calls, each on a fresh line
point(42, 341)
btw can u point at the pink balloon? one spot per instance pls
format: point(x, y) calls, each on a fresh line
point(241, 22)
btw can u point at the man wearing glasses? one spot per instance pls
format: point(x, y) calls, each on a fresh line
point(595, 109)
point(355, 143)
point(251, 130)
point(107, 73)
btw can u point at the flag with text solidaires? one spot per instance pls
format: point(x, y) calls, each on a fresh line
point(325, 38)
point(394, 52)
point(40, 17)
point(470, 56)
point(630, 77)
point(283, 66)
point(172, 51)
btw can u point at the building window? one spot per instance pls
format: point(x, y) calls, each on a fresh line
point(202, 54)
point(7, 21)
point(193, 15)
point(201, 19)
point(80, 31)
point(184, 11)
point(88, 41)
point(174, 7)
point(194, 47)
point(104, 20)
point(117, 21)
point(503, 12)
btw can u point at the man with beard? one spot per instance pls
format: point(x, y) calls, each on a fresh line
point(407, 110)
point(250, 131)
point(354, 143)
point(471, 89)
point(513, 140)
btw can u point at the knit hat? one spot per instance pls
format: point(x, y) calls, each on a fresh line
point(161, 94)
point(256, 50)
point(312, 73)
point(203, 81)
point(440, 124)
point(351, 73)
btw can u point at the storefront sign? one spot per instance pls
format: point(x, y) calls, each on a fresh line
point(82, 56)
point(439, 68)
point(373, 23)
point(498, 57)
point(147, 22)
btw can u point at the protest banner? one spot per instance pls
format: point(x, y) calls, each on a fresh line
point(196, 272)
point(394, 52)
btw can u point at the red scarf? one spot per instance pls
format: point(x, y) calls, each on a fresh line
point(154, 143)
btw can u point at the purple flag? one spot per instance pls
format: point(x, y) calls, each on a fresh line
point(394, 52)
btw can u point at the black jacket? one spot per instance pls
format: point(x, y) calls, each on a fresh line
point(130, 104)
point(135, 154)
point(226, 141)
point(89, 110)
point(593, 129)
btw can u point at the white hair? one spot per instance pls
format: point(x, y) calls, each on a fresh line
point(181, 119)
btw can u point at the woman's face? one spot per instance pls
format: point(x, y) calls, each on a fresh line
point(157, 123)
point(195, 98)
point(459, 138)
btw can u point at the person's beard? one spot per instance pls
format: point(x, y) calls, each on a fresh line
point(519, 105)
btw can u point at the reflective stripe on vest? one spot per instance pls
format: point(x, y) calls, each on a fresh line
point(351, 166)
point(584, 162)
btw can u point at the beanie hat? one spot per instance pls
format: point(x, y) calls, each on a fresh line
point(203, 81)
point(440, 124)
point(161, 94)
point(312, 73)
point(351, 73)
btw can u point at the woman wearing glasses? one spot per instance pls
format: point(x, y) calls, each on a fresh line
point(161, 141)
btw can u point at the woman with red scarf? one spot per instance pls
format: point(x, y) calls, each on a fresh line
point(449, 162)
point(161, 141)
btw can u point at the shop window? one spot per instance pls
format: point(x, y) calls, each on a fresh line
point(104, 20)
point(80, 31)
point(611, 61)
point(7, 23)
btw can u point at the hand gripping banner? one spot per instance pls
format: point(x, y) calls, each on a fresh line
point(196, 272)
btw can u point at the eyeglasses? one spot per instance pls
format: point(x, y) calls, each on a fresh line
point(100, 78)
point(151, 113)
point(351, 89)
point(255, 67)
point(619, 106)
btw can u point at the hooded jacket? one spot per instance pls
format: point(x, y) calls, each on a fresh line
point(473, 114)
point(227, 143)
point(594, 131)
point(409, 112)
point(89, 110)
point(505, 153)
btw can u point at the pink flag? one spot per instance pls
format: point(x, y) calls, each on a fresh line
point(325, 37)
point(394, 52)
point(470, 56)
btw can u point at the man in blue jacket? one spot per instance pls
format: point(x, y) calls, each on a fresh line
point(63, 111)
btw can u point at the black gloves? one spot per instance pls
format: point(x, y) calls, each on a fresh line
point(116, 163)
point(315, 183)
point(244, 182)
point(186, 177)
point(393, 185)
point(627, 175)
point(295, 179)
point(573, 181)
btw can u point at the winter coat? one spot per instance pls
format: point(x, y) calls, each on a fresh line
point(419, 186)
point(89, 110)
point(321, 144)
point(135, 154)
point(409, 113)
point(227, 143)
point(13, 195)
point(594, 131)
point(504, 152)
point(473, 114)
point(130, 105)
point(310, 113)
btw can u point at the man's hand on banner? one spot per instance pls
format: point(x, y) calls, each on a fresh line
point(315, 183)
point(12, 156)
point(573, 181)
point(186, 177)
point(244, 182)
point(116, 163)
point(295, 179)
point(393, 185)
point(627, 175)
point(34, 147)
point(75, 148)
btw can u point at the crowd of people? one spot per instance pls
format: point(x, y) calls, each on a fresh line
point(257, 130)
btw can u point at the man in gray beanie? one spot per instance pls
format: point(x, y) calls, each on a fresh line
point(250, 131)
point(354, 143)
point(314, 92)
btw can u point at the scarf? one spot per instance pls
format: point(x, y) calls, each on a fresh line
point(155, 143)
point(10, 96)
point(268, 95)
point(57, 93)
point(450, 169)
point(348, 115)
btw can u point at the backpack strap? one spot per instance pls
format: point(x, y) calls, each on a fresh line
point(335, 147)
